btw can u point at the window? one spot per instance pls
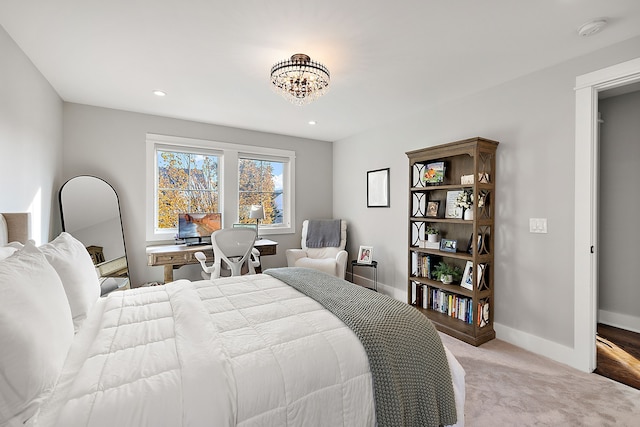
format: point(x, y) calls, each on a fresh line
point(260, 183)
point(186, 182)
point(187, 175)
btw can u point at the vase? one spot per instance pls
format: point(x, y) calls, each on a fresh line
point(432, 238)
point(468, 214)
point(446, 278)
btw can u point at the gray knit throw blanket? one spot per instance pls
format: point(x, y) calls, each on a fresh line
point(411, 378)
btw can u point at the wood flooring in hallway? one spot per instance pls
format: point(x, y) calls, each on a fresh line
point(618, 355)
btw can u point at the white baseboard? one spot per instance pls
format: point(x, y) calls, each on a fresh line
point(552, 350)
point(395, 293)
point(619, 320)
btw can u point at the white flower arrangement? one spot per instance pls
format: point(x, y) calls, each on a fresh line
point(466, 199)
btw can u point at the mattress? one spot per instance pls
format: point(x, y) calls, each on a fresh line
point(240, 351)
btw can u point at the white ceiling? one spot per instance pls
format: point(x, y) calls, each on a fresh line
point(387, 58)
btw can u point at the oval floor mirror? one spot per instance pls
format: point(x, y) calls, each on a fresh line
point(90, 212)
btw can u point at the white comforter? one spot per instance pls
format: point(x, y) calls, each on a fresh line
point(246, 351)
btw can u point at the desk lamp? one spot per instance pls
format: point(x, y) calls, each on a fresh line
point(257, 213)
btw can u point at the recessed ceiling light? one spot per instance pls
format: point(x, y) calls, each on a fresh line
point(312, 122)
point(159, 93)
point(590, 28)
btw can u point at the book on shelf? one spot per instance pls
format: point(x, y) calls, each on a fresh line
point(425, 296)
point(448, 303)
point(434, 173)
point(429, 245)
point(414, 292)
point(480, 275)
point(423, 264)
point(483, 313)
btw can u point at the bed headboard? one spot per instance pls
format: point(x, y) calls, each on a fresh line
point(17, 227)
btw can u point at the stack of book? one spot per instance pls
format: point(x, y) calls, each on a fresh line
point(448, 303)
point(422, 265)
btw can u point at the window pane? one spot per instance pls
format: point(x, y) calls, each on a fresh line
point(203, 174)
point(172, 170)
point(170, 203)
point(187, 182)
point(261, 184)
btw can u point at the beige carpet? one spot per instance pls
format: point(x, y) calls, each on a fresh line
point(508, 386)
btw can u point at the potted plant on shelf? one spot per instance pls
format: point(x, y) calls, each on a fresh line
point(447, 273)
point(432, 233)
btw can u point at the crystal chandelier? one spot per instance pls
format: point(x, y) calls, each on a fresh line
point(299, 79)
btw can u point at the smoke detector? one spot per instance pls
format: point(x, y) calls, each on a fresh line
point(592, 27)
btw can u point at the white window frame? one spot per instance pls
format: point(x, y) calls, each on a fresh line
point(228, 165)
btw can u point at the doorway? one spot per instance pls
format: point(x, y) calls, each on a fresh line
point(618, 330)
point(586, 204)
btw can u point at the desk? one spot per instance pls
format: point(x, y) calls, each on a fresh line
point(175, 256)
point(374, 265)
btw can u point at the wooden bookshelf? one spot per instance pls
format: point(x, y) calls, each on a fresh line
point(468, 313)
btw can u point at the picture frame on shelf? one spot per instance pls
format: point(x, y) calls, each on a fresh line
point(365, 255)
point(470, 244)
point(448, 245)
point(466, 179)
point(434, 173)
point(433, 208)
point(452, 210)
point(467, 276)
point(378, 188)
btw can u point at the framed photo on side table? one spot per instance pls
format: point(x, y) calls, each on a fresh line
point(365, 255)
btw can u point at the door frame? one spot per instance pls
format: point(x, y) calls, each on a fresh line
point(586, 203)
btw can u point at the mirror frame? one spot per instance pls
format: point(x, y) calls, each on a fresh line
point(124, 244)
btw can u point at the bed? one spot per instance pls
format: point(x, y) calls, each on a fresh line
point(239, 351)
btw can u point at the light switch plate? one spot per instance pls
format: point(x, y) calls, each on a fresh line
point(537, 225)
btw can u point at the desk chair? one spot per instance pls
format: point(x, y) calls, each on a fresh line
point(234, 248)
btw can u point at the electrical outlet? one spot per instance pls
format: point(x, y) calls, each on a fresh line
point(537, 225)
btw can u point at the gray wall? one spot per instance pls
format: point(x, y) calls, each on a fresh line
point(619, 229)
point(533, 117)
point(30, 141)
point(110, 144)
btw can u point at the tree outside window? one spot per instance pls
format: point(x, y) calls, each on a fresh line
point(187, 182)
point(261, 183)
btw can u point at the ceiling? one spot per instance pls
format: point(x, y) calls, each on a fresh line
point(387, 59)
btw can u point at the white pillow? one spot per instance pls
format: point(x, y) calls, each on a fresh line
point(6, 251)
point(36, 332)
point(76, 270)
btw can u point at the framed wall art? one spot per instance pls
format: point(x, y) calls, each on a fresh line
point(378, 188)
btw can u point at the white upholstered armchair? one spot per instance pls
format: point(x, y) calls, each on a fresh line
point(331, 258)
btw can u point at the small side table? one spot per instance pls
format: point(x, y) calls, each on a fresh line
point(374, 265)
